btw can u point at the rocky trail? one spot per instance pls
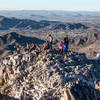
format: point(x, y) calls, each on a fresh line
point(49, 76)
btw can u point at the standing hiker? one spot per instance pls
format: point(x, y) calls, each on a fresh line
point(61, 47)
point(65, 46)
point(66, 39)
point(50, 40)
point(28, 47)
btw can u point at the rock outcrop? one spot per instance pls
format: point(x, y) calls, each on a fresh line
point(47, 75)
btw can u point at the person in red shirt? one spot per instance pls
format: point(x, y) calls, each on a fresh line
point(60, 47)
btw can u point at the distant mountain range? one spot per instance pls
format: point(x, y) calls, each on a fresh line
point(70, 26)
point(8, 23)
point(54, 15)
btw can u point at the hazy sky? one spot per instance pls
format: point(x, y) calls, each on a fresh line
point(91, 5)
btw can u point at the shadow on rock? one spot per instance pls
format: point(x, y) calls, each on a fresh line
point(3, 97)
point(82, 91)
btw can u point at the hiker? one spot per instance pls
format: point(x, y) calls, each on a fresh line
point(28, 47)
point(17, 46)
point(17, 51)
point(60, 47)
point(45, 46)
point(96, 85)
point(38, 48)
point(50, 40)
point(33, 47)
point(37, 51)
point(25, 50)
point(23, 95)
point(66, 39)
point(65, 46)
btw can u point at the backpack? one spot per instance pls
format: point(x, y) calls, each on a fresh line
point(64, 47)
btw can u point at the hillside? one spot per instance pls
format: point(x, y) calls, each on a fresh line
point(8, 42)
point(48, 75)
point(83, 43)
point(88, 44)
point(7, 23)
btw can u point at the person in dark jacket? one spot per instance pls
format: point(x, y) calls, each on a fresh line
point(65, 46)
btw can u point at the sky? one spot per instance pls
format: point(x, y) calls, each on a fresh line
point(69, 5)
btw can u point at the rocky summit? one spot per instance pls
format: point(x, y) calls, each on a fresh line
point(49, 76)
